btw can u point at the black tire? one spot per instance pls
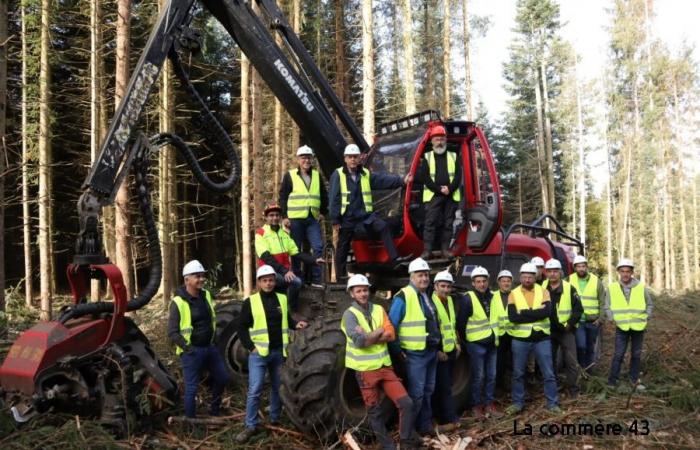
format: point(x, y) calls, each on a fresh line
point(235, 356)
point(460, 382)
point(320, 395)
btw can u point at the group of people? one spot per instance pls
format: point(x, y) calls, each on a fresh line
point(425, 330)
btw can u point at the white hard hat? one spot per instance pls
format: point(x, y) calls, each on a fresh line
point(537, 261)
point(504, 273)
point(351, 149)
point(418, 265)
point(553, 264)
point(528, 268)
point(479, 272)
point(624, 262)
point(357, 280)
point(305, 150)
point(191, 267)
point(444, 276)
point(264, 270)
point(580, 259)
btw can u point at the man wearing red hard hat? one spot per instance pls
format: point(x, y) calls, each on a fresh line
point(441, 174)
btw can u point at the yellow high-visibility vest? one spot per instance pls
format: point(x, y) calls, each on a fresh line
point(564, 307)
point(524, 330)
point(451, 159)
point(345, 193)
point(186, 318)
point(504, 325)
point(373, 357)
point(630, 315)
point(258, 333)
point(589, 296)
point(448, 322)
point(479, 326)
point(412, 330)
point(303, 199)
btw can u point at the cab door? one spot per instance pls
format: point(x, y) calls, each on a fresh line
point(483, 209)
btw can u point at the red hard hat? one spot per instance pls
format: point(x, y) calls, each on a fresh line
point(272, 207)
point(437, 130)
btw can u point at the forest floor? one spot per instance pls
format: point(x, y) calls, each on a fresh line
point(669, 409)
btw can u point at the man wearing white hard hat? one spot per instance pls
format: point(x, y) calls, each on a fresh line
point(529, 308)
point(415, 317)
point(304, 202)
point(539, 263)
point(192, 328)
point(478, 325)
point(443, 402)
point(351, 206)
point(628, 304)
point(592, 293)
point(367, 330)
point(263, 329)
point(505, 283)
point(564, 317)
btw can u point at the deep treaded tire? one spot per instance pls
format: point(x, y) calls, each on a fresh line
point(320, 395)
point(235, 357)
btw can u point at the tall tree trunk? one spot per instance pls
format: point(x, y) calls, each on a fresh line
point(26, 213)
point(122, 219)
point(245, 176)
point(540, 147)
point(608, 212)
point(626, 225)
point(581, 159)
point(667, 231)
point(340, 77)
point(466, 38)
point(258, 147)
point(685, 242)
point(428, 45)
point(95, 97)
point(45, 231)
point(696, 233)
point(549, 155)
point(296, 26)
point(3, 146)
point(368, 71)
point(409, 81)
point(574, 195)
point(446, 60)
point(658, 281)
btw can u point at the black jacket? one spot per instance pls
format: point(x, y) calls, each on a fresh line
point(442, 177)
point(202, 328)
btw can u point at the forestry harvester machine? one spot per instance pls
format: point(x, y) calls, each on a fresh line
point(94, 360)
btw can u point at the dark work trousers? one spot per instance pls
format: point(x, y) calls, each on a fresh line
point(443, 403)
point(567, 341)
point(439, 216)
point(621, 339)
point(194, 363)
point(503, 362)
point(374, 228)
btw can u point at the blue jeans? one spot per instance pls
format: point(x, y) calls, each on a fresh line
point(482, 358)
point(586, 337)
point(543, 353)
point(442, 402)
point(310, 229)
point(193, 363)
point(292, 289)
point(421, 367)
point(257, 366)
point(621, 339)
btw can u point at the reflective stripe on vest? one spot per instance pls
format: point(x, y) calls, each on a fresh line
point(412, 331)
point(364, 187)
point(630, 315)
point(279, 244)
point(301, 199)
point(504, 325)
point(451, 158)
point(479, 326)
point(524, 330)
point(186, 318)
point(564, 306)
point(448, 322)
point(589, 296)
point(369, 358)
point(258, 333)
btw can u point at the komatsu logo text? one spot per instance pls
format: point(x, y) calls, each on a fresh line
point(303, 96)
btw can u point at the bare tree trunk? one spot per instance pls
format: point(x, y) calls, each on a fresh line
point(368, 71)
point(658, 281)
point(685, 242)
point(428, 45)
point(409, 81)
point(446, 60)
point(122, 219)
point(520, 195)
point(296, 26)
point(26, 213)
point(245, 176)
point(540, 147)
point(574, 195)
point(45, 231)
point(608, 212)
point(340, 83)
point(696, 233)
point(581, 159)
point(95, 92)
point(466, 38)
point(549, 155)
point(667, 231)
point(3, 144)
point(626, 226)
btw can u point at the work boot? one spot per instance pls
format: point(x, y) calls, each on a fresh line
point(245, 435)
point(478, 412)
point(492, 411)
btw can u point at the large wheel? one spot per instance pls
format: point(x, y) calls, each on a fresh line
point(460, 382)
point(235, 355)
point(320, 395)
